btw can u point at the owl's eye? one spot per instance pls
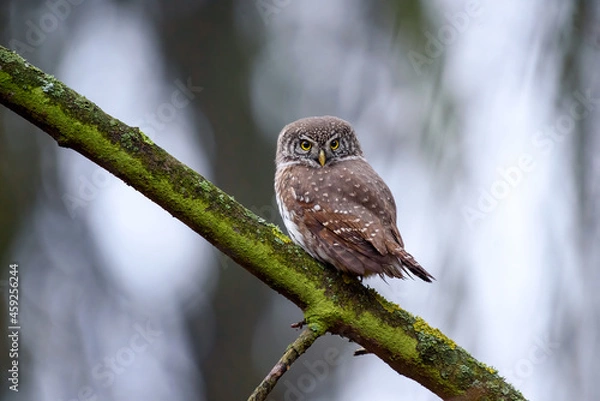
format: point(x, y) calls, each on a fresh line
point(305, 146)
point(334, 144)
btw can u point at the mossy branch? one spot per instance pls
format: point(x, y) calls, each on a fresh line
point(330, 301)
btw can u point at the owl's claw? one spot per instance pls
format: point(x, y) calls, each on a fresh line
point(298, 325)
point(361, 351)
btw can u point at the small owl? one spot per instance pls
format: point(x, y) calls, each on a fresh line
point(334, 205)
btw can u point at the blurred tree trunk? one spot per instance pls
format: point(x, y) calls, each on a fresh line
point(204, 45)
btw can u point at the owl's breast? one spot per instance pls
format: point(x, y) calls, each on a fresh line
point(287, 189)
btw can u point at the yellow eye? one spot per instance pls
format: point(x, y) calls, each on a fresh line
point(305, 145)
point(334, 144)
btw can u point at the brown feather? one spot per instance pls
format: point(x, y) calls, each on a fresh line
point(342, 212)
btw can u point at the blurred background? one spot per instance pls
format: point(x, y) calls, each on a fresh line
point(482, 116)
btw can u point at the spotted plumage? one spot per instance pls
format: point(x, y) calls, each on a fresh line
point(334, 204)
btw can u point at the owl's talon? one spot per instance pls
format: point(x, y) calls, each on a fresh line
point(361, 351)
point(298, 325)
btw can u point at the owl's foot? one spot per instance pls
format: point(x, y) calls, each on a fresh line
point(361, 351)
point(298, 325)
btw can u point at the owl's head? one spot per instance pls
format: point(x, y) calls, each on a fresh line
point(317, 142)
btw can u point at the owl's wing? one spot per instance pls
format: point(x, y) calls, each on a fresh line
point(351, 216)
point(349, 247)
point(344, 241)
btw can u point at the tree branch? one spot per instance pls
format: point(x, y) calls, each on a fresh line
point(329, 301)
point(293, 352)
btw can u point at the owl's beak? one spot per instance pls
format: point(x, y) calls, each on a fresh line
point(322, 158)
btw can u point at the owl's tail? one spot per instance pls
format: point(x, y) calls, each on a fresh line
point(410, 265)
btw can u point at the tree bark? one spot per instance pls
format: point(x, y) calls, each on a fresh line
point(330, 301)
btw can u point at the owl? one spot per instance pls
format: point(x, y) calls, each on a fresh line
point(334, 205)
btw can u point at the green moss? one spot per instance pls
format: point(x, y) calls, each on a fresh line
point(428, 333)
point(146, 139)
point(129, 140)
point(84, 103)
point(317, 328)
point(400, 344)
point(490, 369)
point(205, 185)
